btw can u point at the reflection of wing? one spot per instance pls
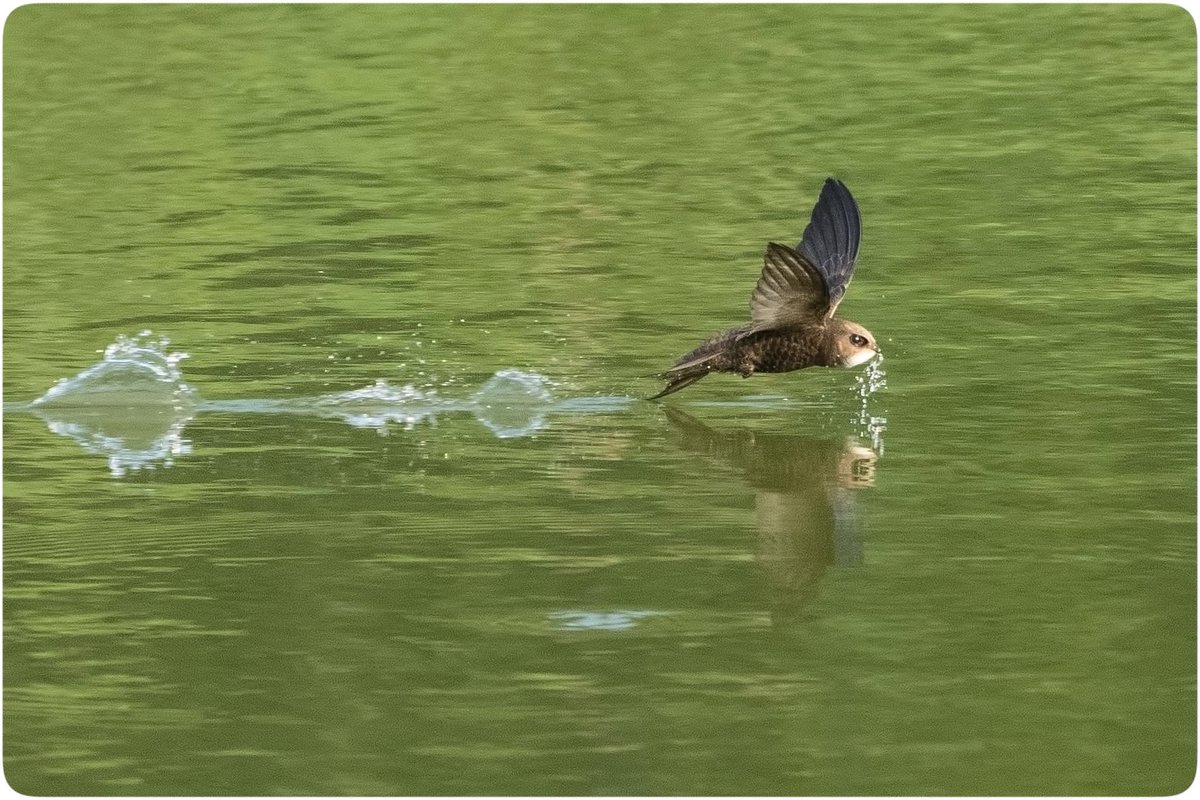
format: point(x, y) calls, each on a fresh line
point(795, 543)
point(847, 535)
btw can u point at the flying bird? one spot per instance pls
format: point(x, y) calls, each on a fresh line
point(792, 323)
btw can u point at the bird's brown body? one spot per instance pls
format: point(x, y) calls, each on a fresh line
point(792, 309)
point(767, 351)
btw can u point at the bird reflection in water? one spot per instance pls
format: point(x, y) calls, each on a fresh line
point(804, 502)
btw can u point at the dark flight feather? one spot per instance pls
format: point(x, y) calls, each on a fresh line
point(805, 285)
point(830, 242)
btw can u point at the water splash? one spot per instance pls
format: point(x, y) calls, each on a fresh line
point(135, 371)
point(130, 407)
point(870, 426)
point(872, 379)
point(376, 406)
point(510, 404)
point(513, 403)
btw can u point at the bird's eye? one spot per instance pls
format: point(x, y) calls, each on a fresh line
point(858, 341)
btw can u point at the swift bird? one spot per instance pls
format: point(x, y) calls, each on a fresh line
point(792, 322)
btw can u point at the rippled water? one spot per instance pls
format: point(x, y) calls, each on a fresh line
point(401, 521)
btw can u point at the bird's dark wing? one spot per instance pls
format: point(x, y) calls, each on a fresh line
point(790, 291)
point(805, 285)
point(830, 242)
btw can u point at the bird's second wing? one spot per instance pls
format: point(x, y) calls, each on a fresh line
point(830, 242)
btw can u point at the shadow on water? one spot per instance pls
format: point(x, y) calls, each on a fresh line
point(804, 503)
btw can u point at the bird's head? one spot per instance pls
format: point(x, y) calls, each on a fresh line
point(853, 344)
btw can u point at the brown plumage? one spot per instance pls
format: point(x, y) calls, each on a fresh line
point(792, 322)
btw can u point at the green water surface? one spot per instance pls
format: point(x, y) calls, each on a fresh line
point(749, 589)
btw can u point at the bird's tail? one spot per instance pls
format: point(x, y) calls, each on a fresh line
point(677, 381)
point(712, 356)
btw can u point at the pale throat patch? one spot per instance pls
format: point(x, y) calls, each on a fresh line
point(859, 357)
